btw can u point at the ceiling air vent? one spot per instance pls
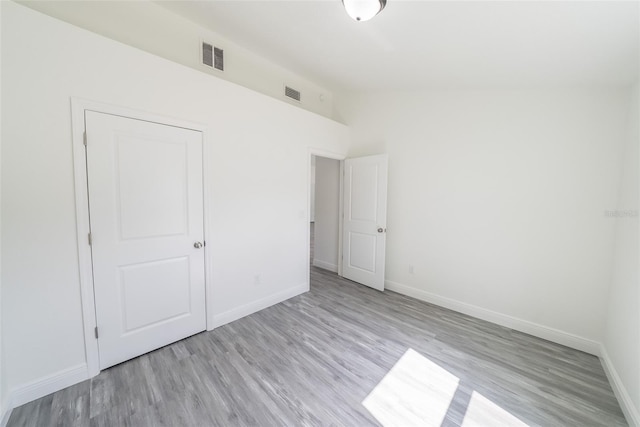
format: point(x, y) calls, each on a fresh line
point(292, 93)
point(212, 56)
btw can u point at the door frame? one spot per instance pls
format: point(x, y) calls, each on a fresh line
point(87, 295)
point(329, 155)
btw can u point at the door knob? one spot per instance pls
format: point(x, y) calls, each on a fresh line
point(380, 230)
point(197, 245)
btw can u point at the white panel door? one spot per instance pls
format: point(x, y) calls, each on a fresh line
point(146, 214)
point(365, 220)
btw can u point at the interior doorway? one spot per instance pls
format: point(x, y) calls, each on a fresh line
point(324, 214)
point(348, 205)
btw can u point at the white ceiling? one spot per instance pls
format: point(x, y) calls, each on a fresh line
point(436, 44)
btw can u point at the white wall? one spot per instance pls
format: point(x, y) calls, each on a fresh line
point(327, 213)
point(497, 199)
point(259, 182)
point(151, 27)
point(622, 335)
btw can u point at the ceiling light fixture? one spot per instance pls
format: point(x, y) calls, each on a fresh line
point(363, 10)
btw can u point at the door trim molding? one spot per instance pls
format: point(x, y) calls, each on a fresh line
point(78, 108)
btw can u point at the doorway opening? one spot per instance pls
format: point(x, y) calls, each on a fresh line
point(324, 213)
point(348, 206)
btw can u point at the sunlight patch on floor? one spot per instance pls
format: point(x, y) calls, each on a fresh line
point(415, 392)
point(418, 392)
point(482, 412)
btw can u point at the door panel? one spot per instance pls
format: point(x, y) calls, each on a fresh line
point(142, 191)
point(365, 213)
point(146, 212)
point(363, 202)
point(166, 280)
point(362, 252)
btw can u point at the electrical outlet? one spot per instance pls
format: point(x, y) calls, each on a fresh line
point(411, 270)
point(256, 279)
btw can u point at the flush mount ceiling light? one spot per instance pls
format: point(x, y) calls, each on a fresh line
point(363, 10)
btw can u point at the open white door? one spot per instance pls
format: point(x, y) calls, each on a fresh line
point(146, 214)
point(365, 220)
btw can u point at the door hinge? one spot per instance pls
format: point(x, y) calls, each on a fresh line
point(84, 138)
point(90, 239)
point(95, 331)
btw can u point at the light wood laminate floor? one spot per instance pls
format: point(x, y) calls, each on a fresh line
point(343, 355)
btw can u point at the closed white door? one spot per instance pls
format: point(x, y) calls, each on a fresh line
point(146, 214)
point(365, 220)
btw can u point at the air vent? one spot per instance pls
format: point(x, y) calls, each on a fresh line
point(207, 54)
point(212, 56)
point(218, 59)
point(292, 93)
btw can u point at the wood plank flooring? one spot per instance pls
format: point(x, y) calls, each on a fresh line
point(343, 355)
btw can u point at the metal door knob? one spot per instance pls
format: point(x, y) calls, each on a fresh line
point(197, 245)
point(380, 230)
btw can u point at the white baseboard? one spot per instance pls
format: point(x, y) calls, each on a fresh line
point(47, 385)
point(42, 387)
point(537, 330)
point(255, 306)
point(631, 412)
point(5, 414)
point(325, 265)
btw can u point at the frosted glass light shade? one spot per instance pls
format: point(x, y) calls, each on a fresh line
point(363, 10)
